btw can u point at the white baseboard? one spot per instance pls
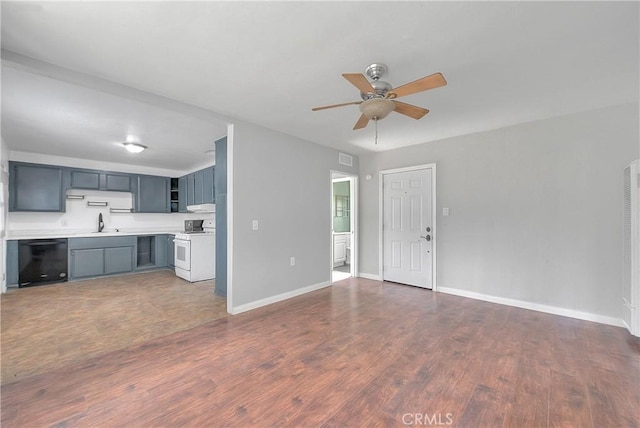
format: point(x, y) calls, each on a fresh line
point(277, 298)
point(586, 316)
point(370, 276)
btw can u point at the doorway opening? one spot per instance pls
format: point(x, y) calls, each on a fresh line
point(343, 226)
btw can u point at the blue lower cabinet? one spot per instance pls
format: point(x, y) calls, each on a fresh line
point(99, 256)
point(86, 263)
point(161, 251)
point(170, 251)
point(118, 260)
point(13, 264)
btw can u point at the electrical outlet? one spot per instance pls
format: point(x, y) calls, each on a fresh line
point(292, 261)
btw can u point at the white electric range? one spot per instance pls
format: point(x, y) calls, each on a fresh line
point(195, 253)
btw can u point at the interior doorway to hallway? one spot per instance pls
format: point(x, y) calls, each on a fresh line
point(343, 226)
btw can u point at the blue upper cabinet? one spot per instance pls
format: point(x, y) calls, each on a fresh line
point(182, 194)
point(153, 194)
point(196, 188)
point(191, 191)
point(200, 187)
point(81, 179)
point(208, 190)
point(99, 180)
point(115, 182)
point(199, 184)
point(34, 187)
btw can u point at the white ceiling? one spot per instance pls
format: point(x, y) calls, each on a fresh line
point(269, 63)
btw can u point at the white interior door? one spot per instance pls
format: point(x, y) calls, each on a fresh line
point(407, 228)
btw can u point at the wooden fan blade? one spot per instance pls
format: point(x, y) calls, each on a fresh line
point(432, 81)
point(360, 82)
point(361, 123)
point(336, 105)
point(414, 112)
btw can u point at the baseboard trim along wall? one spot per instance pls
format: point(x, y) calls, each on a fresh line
point(586, 316)
point(370, 276)
point(278, 298)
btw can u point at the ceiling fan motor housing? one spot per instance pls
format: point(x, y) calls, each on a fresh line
point(381, 87)
point(375, 72)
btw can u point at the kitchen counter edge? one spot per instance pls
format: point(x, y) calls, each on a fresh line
point(75, 234)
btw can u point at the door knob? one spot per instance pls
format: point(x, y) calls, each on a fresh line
point(428, 237)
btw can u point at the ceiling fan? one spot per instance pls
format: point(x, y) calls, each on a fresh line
point(378, 97)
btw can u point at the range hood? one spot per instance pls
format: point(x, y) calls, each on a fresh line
point(202, 208)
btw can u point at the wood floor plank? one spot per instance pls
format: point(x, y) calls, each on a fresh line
point(568, 401)
point(359, 353)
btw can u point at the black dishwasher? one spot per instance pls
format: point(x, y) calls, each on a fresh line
point(42, 261)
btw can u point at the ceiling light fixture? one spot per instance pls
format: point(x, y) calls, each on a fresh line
point(134, 147)
point(375, 109)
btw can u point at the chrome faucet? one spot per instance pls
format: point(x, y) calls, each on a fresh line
point(100, 223)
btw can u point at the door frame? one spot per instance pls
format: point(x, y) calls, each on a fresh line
point(381, 174)
point(353, 200)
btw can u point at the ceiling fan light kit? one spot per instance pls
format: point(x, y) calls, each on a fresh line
point(378, 97)
point(377, 108)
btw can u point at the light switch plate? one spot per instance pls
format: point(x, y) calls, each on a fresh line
point(254, 224)
point(445, 211)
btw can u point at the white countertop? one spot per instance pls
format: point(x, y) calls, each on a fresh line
point(75, 233)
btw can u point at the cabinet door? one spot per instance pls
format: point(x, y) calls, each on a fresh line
point(170, 251)
point(153, 194)
point(182, 194)
point(118, 260)
point(13, 263)
point(117, 182)
point(87, 262)
point(161, 251)
point(208, 191)
point(339, 249)
point(85, 179)
point(191, 184)
point(198, 187)
point(35, 188)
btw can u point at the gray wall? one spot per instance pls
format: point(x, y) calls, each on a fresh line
point(284, 183)
point(4, 175)
point(535, 209)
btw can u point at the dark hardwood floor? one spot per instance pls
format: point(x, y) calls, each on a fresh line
point(360, 353)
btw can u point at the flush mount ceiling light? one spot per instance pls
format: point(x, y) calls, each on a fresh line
point(134, 147)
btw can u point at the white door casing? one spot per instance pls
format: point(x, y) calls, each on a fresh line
point(408, 226)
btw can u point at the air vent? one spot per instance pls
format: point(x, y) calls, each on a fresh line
point(345, 159)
